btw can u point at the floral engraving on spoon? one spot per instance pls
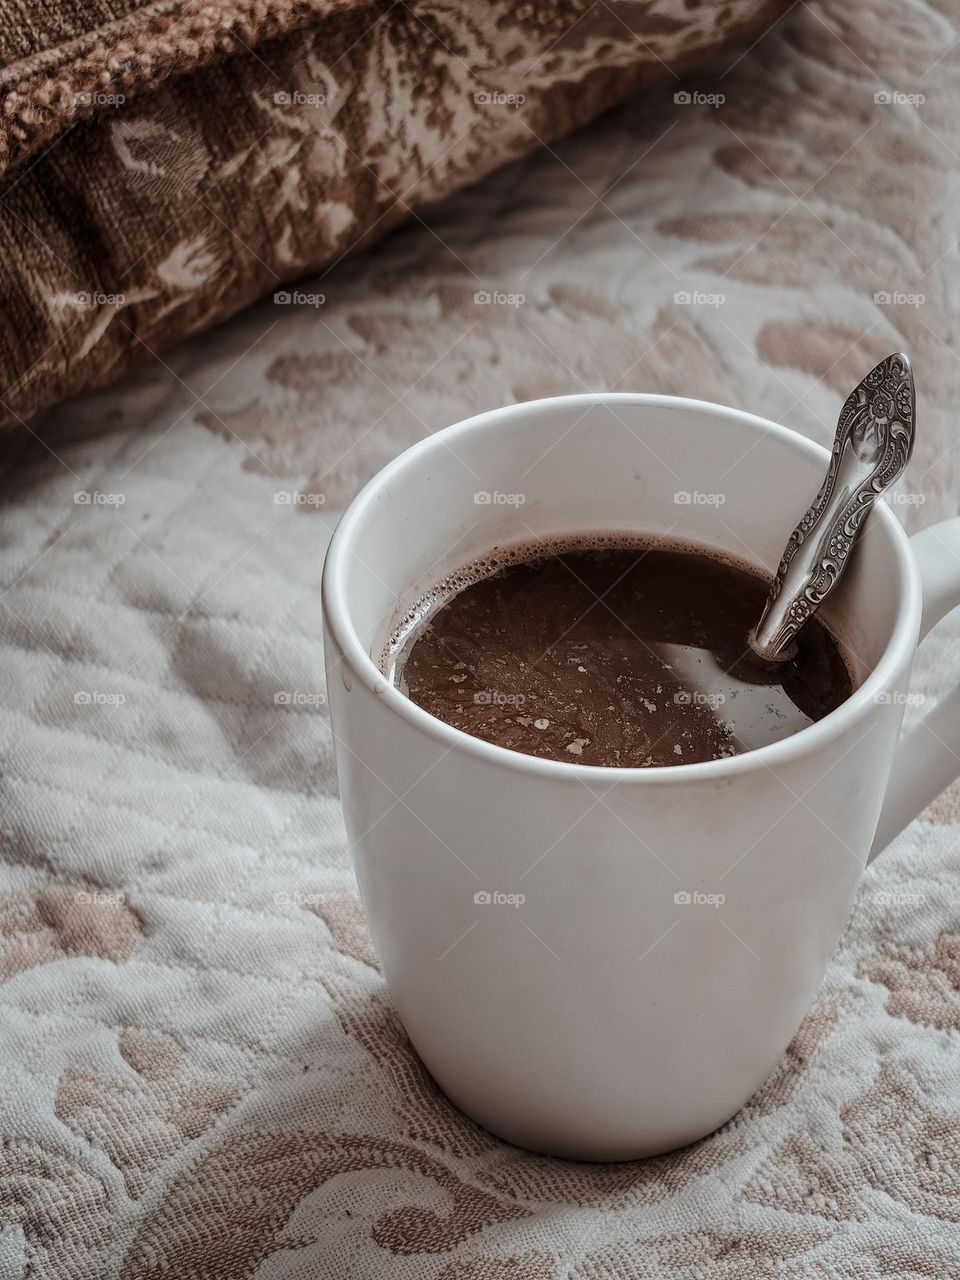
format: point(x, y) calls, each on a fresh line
point(872, 446)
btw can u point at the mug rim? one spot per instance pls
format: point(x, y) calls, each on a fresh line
point(336, 612)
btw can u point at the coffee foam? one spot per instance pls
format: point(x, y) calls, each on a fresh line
point(527, 552)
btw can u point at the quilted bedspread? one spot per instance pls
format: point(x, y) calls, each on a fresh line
point(201, 1073)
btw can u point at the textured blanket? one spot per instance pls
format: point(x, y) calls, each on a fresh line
point(163, 163)
point(201, 1074)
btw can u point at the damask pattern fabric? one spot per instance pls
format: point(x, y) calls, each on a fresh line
point(130, 219)
point(201, 1071)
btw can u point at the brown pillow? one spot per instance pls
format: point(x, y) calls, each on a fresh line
point(162, 165)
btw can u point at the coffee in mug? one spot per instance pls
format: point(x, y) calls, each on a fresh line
point(616, 651)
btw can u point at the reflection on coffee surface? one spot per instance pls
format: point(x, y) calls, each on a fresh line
point(610, 652)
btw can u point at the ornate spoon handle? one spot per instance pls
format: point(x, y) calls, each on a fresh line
point(872, 447)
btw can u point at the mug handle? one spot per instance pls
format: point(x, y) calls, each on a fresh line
point(928, 757)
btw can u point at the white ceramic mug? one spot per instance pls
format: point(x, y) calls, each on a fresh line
point(606, 963)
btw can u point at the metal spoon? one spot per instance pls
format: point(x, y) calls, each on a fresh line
point(872, 447)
